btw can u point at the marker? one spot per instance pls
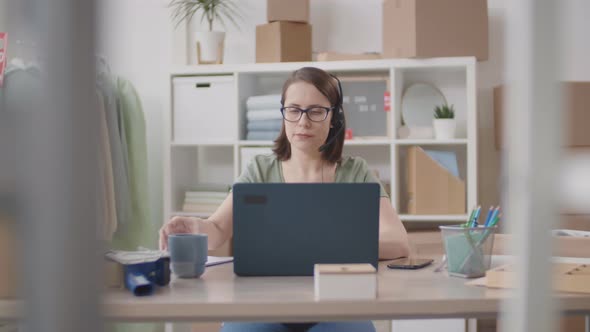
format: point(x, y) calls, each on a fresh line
point(495, 221)
point(477, 212)
point(466, 224)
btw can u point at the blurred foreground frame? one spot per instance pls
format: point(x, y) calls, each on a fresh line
point(48, 170)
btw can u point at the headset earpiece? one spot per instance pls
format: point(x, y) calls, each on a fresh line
point(337, 118)
point(340, 95)
point(338, 108)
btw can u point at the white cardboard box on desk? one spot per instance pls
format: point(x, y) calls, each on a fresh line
point(345, 282)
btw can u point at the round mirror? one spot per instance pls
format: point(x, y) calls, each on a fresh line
point(418, 103)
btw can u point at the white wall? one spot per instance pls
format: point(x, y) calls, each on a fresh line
point(135, 36)
point(575, 40)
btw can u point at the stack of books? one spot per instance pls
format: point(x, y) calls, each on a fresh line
point(205, 199)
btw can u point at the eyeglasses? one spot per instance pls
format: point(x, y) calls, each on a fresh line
point(315, 114)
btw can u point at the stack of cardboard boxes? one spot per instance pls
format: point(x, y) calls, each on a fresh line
point(434, 28)
point(287, 35)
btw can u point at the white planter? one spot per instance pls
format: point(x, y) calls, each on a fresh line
point(211, 46)
point(444, 128)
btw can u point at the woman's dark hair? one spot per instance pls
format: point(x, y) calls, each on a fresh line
point(328, 86)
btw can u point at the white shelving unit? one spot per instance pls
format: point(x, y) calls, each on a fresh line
point(346, 142)
point(199, 157)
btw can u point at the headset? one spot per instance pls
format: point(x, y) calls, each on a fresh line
point(339, 114)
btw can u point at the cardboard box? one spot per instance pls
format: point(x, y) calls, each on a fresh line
point(567, 277)
point(564, 246)
point(435, 28)
point(579, 222)
point(206, 327)
point(335, 56)
point(576, 97)
point(113, 274)
point(283, 42)
point(575, 109)
point(432, 189)
point(498, 99)
point(287, 10)
point(567, 323)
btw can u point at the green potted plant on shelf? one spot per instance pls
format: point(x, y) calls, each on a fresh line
point(444, 122)
point(207, 44)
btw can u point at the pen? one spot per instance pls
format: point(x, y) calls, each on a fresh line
point(494, 214)
point(490, 211)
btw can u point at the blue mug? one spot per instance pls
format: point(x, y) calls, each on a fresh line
point(188, 254)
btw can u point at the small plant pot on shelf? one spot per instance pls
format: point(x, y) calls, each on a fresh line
point(209, 46)
point(444, 128)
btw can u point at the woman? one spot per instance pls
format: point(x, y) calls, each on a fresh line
point(308, 149)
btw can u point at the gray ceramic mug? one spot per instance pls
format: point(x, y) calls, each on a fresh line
point(188, 254)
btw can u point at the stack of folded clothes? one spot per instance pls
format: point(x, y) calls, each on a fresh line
point(264, 119)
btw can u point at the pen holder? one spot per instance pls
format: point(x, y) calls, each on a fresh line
point(468, 249)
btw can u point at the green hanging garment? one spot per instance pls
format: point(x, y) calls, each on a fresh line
point(139, 230)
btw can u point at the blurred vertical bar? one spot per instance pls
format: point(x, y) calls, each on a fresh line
point(533, 133)
point(56, 157)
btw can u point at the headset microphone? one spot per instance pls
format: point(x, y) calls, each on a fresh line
point(333, 138)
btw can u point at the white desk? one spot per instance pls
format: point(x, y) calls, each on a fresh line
point(221, 296)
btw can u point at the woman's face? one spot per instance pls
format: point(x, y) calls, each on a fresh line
point(307, 135)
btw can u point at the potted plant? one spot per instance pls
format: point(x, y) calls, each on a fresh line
point(444, 122)
point(208, 44)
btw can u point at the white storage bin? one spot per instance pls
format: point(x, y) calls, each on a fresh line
point(204, 110)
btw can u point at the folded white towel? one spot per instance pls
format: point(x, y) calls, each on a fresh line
point(264, 115)
point(265, 125)
point(262, 135)
point(264, 101)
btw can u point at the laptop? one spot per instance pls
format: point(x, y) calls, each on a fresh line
point(283, 229)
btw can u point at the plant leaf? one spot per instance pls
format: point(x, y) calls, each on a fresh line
point(210, 10)
point(231, 14)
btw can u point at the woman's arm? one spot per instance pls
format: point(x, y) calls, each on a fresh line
point(218, 227)
point(393, 238)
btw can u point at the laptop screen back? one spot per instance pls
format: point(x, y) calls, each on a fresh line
point(283, 229)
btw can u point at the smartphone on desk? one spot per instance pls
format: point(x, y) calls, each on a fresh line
point(410, 263)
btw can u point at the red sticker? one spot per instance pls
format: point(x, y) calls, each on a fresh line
point(387, 101)
point(348, 133)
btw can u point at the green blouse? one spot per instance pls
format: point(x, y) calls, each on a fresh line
point(267, 168)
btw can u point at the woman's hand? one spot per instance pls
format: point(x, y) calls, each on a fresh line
point(178, 225)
